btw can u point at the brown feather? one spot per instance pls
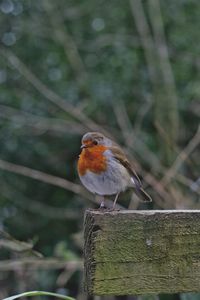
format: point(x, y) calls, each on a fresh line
point(119, 155)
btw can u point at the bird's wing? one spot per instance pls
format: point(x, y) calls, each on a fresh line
point(120, 156)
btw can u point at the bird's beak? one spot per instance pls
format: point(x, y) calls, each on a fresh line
point(86, 145)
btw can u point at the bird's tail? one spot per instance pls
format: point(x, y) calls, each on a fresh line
point(144, 196)
point(140, 192)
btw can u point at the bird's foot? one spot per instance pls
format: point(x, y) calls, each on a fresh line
point(102, 205)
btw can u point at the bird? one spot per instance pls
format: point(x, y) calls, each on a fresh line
point(104, 169)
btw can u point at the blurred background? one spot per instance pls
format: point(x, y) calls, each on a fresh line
point(129, 69)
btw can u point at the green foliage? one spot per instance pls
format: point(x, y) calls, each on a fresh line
point(67, 67)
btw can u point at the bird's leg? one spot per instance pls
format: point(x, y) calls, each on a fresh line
point(114, 203)
point(102, 204)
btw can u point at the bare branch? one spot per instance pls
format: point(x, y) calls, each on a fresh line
point(10, 243)
point(164, 64)
point(48, 93)
point(146, 39)
point(141, 114)
point(140, 148)
point(37, 207)
point(161, 191)
point(34, 264)
point(41, 176)
point(42, 124)
point(155, 50)
point(131, 140)
point(193, 143)
point(50, 179)
point(63, 37)
point(109, 39)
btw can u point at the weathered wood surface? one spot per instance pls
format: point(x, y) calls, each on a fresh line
point(142, 252)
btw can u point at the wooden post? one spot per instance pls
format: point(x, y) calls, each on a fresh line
point(142, 252)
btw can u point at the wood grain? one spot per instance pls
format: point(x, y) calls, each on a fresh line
point(142, 252)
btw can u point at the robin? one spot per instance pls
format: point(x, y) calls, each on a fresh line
point(104, 169)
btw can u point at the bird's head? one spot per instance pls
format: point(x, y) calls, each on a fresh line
point(94, 139)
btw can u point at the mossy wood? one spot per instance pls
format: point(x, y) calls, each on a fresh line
point(142, 252)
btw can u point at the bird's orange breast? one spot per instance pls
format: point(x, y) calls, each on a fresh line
point(92, 159)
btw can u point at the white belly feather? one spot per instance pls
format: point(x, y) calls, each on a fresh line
point(113, 181)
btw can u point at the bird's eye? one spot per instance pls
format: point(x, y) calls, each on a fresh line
point(95, 142)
